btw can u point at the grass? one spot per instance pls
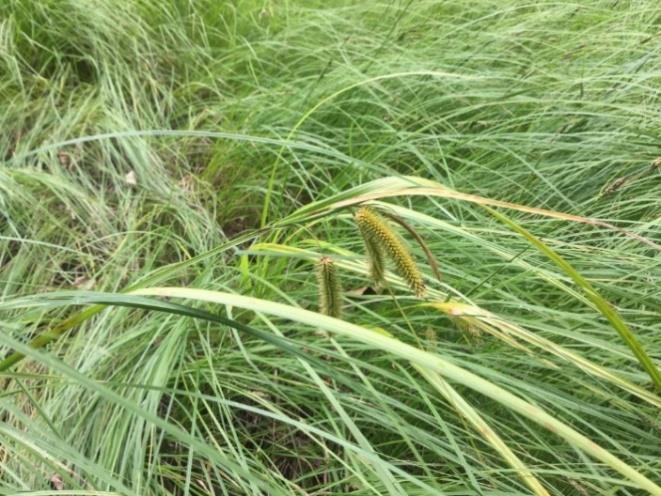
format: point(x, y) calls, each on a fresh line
point(213, 152)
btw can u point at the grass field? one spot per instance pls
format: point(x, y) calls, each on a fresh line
point(173, 173)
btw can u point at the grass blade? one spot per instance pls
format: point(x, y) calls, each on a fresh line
point(606, 309)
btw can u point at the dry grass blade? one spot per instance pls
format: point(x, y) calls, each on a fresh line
point(488, 322)
point(485, 430)
point(416, 186)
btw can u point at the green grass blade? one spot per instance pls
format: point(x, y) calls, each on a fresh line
point(418, 357)
point(606, 309)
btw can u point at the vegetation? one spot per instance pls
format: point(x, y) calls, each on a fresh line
point(184, 184)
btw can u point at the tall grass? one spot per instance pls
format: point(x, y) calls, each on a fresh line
point(217, 149)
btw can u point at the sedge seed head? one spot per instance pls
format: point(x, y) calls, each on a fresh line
point(379, 237)
point(330, 288)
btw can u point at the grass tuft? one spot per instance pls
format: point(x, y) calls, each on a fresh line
point(171, 174)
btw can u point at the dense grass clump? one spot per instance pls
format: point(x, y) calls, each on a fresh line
point(172, 172)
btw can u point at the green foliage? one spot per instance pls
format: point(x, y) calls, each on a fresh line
point(146, 144)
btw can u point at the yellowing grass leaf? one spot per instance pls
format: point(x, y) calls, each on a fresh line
point(415, 186)
point(485, 430)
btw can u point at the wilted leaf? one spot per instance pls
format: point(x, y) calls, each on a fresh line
point(131, 179)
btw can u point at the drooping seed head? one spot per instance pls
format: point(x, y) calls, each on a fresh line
point(380, 238)
point(330, 288)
